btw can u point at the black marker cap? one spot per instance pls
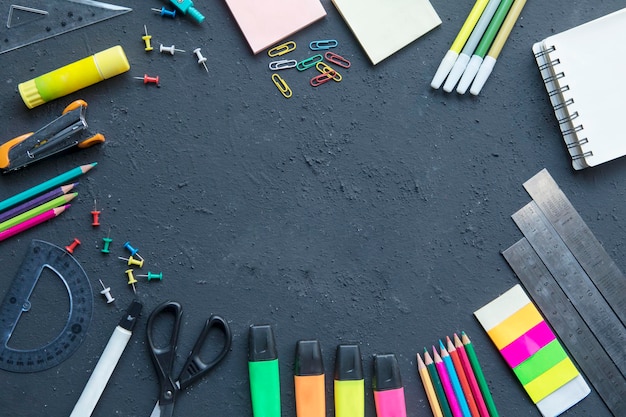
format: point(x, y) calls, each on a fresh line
point(131, 316)
point(308, 358)
point(386, 373)
point(348, 364)
point(261, 344)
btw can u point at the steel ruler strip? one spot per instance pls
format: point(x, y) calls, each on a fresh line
point(574, 282)
point(605, 274)
point(586, 350)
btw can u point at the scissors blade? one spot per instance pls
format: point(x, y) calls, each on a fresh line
point(162, 410)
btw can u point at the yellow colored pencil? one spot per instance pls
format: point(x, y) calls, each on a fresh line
point(59, 201)
point(428, 387)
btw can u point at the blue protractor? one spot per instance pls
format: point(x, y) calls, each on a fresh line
point(40, 256)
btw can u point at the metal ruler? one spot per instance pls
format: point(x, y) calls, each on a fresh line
point(42, 255)
point(579, 289)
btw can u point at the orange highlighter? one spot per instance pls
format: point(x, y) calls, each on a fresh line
point(308, 379)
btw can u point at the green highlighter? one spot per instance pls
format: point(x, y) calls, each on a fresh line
point(263, 370)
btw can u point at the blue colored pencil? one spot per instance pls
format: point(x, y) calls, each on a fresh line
point(454, 379)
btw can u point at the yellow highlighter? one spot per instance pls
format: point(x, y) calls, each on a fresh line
point(74, 76)
point(349, 382)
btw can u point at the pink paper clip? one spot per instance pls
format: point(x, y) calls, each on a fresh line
point(337, 59)
point(322, 78)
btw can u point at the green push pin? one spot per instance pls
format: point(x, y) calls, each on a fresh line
point(151, 275)
point(107, 242)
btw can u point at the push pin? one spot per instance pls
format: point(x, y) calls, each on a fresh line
point(96, 215)
point(106, 291)
point(148, 79)
point(132, 261)
point(146, 38)
point(151, 276)
point(131, 279)
point(165, 13)
point(201, 60)
point(169, 49)
point(133, 251)
point(105, 248)
point(70, 248)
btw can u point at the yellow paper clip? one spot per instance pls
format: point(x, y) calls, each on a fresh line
point(324, 68)
point(282, 86)
point(282, 49)
point(333, 58)
point(322, 78)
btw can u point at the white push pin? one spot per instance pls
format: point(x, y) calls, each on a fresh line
point(106, 291)
point(169, 49)
point(201, 59)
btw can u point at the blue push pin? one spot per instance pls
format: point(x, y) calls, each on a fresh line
point(165, 13)
point(133, 251)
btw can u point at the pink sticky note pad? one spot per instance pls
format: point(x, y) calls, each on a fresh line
point(527, 344)
point(264, 23)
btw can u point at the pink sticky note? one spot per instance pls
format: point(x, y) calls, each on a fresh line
point(527, 344)
point(264, 23)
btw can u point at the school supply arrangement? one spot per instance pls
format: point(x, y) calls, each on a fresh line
point(583, 71)
point(575, 284)
point(383, 28)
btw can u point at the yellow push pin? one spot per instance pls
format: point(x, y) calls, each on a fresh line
point(146, 38)
point(131, 279)
point(132, 261)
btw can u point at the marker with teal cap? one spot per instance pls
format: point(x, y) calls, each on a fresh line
point(263, 371)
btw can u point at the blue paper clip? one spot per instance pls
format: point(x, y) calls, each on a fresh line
point(324, 44)
point(282, 86)
point(282, 64)
point(282, 49)
point(309, 62)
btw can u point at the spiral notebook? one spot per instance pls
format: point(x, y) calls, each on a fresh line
point(584, 73)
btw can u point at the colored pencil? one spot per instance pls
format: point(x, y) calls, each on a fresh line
point(45, 186)
point(454, 379)
point(434, 376)
point(37, 201)
point(447, 385)
point(496, 47)
point(469, 372)
point(467, 391)
point(428, 387)
point(480, 377)
point(483, 46)
point(32, 222)
point(450, 57)
point(59, 201)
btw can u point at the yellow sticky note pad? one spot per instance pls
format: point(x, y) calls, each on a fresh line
point(515, 326)
point(551, 380)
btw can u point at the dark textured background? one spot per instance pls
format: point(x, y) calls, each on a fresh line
point(372, 210)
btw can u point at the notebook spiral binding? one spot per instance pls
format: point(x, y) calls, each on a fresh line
point(555, 89)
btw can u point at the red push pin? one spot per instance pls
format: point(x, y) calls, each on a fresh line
point(95, 213)
point(149, 80)
point(70, 248)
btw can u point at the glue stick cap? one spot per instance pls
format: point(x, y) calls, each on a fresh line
point(348, 363)
point(386, 373)
point(112, 62)
point(308, 358)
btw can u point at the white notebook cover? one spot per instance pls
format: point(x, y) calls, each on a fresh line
point(586, 65)
point(384, 27)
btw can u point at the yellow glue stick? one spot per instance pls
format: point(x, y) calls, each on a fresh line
point(74, 76)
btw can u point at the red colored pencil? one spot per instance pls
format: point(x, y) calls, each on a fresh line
point(32, 222)
point(471, 378)
point(456, 361)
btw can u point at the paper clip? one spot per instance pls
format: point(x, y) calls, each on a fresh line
point(325, 44)
point(322, 78)
point(282, 49)
point(309, 62)
point(281, 85)
point(337, 59)
point(324, 68)
point(283, 64)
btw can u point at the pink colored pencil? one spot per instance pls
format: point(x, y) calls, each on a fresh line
point(471, 378)
point(447, 384)
point(32, 222)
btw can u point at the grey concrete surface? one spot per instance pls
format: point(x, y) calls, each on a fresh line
point(373, 210)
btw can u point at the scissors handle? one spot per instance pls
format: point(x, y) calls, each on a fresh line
point(163, 356)
point(195, 368)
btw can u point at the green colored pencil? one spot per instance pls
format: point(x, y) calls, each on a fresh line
point(59, 201)
point(441, 395)
point(480, 377)
point(45, 186)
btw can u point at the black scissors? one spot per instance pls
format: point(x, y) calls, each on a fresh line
point(194, 368)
